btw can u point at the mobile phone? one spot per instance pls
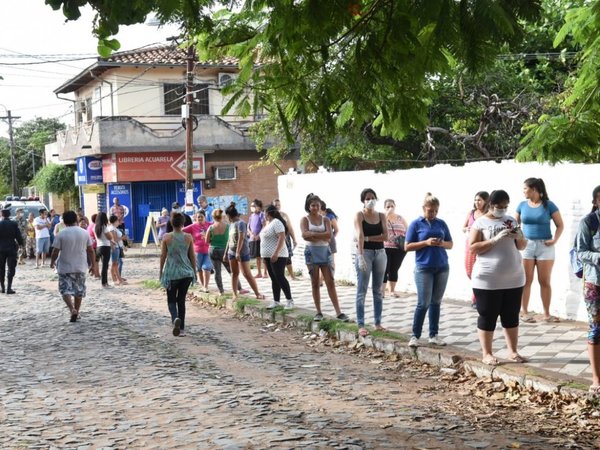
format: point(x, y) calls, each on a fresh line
point(515, 229)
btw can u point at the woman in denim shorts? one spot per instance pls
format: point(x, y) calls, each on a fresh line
point(535, 215)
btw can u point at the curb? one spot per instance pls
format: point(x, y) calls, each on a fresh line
point(443, 357)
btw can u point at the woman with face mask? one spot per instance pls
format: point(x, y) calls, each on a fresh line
point(429, 237)
point(371, 232)
point(498, 276)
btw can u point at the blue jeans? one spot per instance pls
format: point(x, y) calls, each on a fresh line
point(431, 284)
point(376, 263)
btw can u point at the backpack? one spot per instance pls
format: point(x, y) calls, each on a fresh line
point(591, 220)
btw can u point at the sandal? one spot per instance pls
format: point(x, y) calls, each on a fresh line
point(526, 318)
point(518, 359)
point(380, 328)
point(594, 390)
point(551, 319)
point(363, 332)
point(490, 360)
point(260, 297)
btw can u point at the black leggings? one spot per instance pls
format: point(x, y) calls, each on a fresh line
point(278, 280)
point(216, 256)
point(505, 303)
point(395, 256)
point(176, 299)
point(104, 252)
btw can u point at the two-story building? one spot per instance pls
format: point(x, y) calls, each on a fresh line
point(129, 141)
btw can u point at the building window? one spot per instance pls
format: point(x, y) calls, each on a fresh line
point(84, 110)
point(174, 97)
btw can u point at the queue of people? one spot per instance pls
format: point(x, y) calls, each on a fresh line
point(502, 254)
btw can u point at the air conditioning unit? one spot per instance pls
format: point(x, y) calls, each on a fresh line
point(225, 173)
point(226, 78)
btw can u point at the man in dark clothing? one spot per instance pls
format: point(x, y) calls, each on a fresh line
point(10, 239)
point(175, 208)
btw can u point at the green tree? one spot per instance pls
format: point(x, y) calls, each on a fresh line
point(574, 132)
point(30, 140)
point(56, 179)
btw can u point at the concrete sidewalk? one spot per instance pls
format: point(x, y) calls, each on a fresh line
point(559, 348)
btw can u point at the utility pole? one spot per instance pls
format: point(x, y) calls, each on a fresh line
point(189, 128)
point(13, 162)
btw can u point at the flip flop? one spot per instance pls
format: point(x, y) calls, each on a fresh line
point(490, 361)
point(518, 359)
point(260, 297)
point(380, 328)
point(526, 318)
point(363, 332)
point(551, 319)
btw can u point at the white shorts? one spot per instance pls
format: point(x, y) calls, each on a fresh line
point(536, 249)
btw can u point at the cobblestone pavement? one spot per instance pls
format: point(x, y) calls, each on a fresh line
point(118, 379)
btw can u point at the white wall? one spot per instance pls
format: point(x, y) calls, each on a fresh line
point(569, 186)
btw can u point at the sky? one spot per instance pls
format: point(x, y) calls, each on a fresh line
point(30, 27)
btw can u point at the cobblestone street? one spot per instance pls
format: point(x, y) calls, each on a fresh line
point(119, 379)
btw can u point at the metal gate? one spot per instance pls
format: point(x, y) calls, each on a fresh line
point(150, 197)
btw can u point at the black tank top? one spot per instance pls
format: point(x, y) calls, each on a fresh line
point(372, 229)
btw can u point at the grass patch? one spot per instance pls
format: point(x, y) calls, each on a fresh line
point(240, 304)
point(151, 284)
point(344, 283)
point(575, 385)
point(389, 335)
point(332, 326)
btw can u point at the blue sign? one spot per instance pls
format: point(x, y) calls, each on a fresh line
point(89, 170)
point(123, 193)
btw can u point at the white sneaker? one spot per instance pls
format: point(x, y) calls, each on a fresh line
point(436, 340)
point(273, 305)
point(414, 342)
point(289, 304)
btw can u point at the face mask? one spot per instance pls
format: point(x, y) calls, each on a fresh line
point(253, 209)
point(499, 212)
point(370, 204)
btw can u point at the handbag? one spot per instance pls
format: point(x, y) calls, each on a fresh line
point(399, 241)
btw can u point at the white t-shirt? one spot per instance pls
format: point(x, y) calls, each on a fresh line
point(501, 267)
point(102, 240)
point(44, 232)
point(269, 238)
point(73, 243)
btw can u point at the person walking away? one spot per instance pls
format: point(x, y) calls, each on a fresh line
point(10, 240)
point(394, 246)
point(217, 236)
point(177, 271)
point(105, 241)
point(71, 251)
point(238, 253)
point(535, 214)
point(203, 264)
point(275, 253)
point(480, 208)
point(371, 231)
point(316, 231)
point(256, 222)
point(290, 240)
point(498, 276)
point(42, 227)
point(588, 251)
point(429, 237)
point(22, 224)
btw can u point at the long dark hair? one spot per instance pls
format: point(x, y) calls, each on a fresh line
point(101, 222)
point(231, 212)
point(273, 212)
point(311, 198)
point(327, 210)
point(485, 196)
point(539, 185)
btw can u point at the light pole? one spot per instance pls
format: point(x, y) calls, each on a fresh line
point(13, 162)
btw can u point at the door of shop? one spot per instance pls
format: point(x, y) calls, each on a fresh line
point(150, 197)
